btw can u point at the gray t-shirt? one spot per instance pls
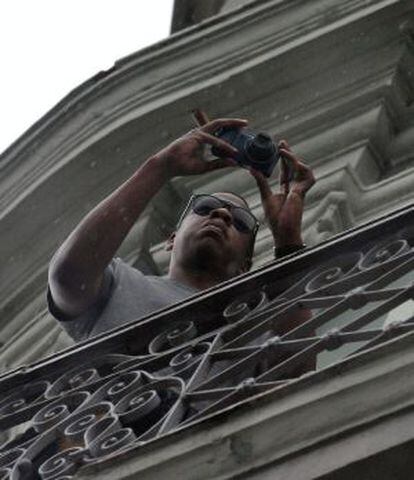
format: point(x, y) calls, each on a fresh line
point(127, 295)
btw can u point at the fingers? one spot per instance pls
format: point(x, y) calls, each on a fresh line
point(291, 166)
point(220, 163)
point(300, 170)
point(284, 144)
point(225, 147)
point(285, 171)
point(202, 120)
point(284, 176)
point(287, 154)
point(200, 117)
point(263, 185)
point(302, 176)
point(214, 125)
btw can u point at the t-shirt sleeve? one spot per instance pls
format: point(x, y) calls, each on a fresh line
point(80, 326)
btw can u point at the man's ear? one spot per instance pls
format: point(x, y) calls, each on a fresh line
point(170, 242)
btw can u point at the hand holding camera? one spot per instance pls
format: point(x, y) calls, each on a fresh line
point(253, 150)
point(259, 154)
point(283, 210)
point(185, 156)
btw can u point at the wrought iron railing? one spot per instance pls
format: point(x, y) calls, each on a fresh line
point(253, 335)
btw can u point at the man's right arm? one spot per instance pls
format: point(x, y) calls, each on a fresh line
point(76, 272)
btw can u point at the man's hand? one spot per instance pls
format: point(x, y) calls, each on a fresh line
point(272, 202)
point(283, 210)
point(185, 156)
point(302, 179)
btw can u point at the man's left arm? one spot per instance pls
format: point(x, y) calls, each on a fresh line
point(283, 212)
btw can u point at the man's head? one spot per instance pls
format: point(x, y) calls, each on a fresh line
point(216, 233)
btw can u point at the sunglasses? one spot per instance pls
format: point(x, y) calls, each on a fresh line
point(243, 220)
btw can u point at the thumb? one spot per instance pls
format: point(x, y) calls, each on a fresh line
point(220, 163)
point(263, 185)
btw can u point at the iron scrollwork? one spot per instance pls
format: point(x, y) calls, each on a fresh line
point(255, 343)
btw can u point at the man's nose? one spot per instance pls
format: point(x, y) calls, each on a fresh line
point(223, 213)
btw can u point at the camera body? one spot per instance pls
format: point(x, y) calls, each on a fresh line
point(254, 150)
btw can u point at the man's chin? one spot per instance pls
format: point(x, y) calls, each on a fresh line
point(210, 248)
point(209, 254)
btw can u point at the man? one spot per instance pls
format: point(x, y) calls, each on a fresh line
point(90, 292)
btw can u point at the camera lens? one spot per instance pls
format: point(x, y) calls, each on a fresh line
point(260, 148)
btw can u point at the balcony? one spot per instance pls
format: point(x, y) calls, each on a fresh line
point(300, 369)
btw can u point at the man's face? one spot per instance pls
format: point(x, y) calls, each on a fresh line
point(212, 241)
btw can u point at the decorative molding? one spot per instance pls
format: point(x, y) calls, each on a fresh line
point(346, 110)
point(307, 18)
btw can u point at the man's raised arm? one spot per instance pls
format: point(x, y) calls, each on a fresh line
point(76, 272)
point(283, 210)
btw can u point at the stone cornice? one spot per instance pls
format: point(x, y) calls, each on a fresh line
point(169, 81)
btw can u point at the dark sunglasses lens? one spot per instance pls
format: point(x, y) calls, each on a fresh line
point(204, 205)
point(243, 221)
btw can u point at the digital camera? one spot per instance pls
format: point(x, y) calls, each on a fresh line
point(255, 150)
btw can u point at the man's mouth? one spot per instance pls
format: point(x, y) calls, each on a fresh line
point(214, 229)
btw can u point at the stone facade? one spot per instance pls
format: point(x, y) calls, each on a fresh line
point(335, 78)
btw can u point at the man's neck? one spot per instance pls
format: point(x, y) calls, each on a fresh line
point(200, 279)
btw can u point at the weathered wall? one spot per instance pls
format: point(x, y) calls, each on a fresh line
point(335, 78)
